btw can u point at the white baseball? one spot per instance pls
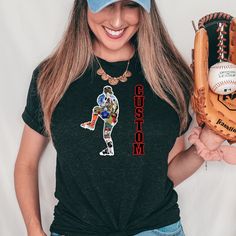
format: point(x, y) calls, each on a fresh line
point(222, 78)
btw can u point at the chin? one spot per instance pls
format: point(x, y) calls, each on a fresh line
point(115, 44)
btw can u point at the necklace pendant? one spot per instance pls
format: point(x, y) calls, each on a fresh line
point(105, 76)
point(128, 73)
point(113, 81)
point(123, 78)
point(100, 71)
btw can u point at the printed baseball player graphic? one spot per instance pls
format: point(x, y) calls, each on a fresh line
point(108, 111)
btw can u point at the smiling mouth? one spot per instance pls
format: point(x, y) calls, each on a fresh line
point(114, 33)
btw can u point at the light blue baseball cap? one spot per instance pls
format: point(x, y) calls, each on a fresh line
point(98, 5)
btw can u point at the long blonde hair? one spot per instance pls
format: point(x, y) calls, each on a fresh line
point(165, 70)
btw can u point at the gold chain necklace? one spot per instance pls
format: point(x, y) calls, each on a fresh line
point(113, 80)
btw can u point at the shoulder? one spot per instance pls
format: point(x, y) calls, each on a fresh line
point(34, 77)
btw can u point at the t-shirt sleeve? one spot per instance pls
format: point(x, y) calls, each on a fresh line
point(32, 114)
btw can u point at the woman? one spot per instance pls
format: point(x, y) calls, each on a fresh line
point(117, 62)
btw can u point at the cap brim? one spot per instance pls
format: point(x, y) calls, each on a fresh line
point(96, 6)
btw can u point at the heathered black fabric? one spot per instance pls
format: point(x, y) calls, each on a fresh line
point(123, 194)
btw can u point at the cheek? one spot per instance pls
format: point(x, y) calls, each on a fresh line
point(94, 20)
point(132, 19)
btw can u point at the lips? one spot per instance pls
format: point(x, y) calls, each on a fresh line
point(114, 34)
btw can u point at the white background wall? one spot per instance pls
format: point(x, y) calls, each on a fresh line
point(29, 30)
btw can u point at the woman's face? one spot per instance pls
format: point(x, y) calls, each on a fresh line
point(115, 25)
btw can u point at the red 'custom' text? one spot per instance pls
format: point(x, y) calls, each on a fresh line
point(138, 144)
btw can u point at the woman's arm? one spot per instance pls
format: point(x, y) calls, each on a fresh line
point(26, 179)
point(182, 164)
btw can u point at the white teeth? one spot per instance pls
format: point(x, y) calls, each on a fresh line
point(112, 32)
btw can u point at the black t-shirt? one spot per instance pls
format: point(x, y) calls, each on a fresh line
point(112, 144)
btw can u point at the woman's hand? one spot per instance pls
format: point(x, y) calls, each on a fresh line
point(36, 231)
point(214, 141)
point(210, 139)
point(37, 234)
point(207, 143)
point(209, 146)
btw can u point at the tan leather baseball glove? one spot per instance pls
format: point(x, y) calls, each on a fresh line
point(215, 41)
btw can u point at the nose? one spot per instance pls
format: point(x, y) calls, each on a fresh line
point(116, 20)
